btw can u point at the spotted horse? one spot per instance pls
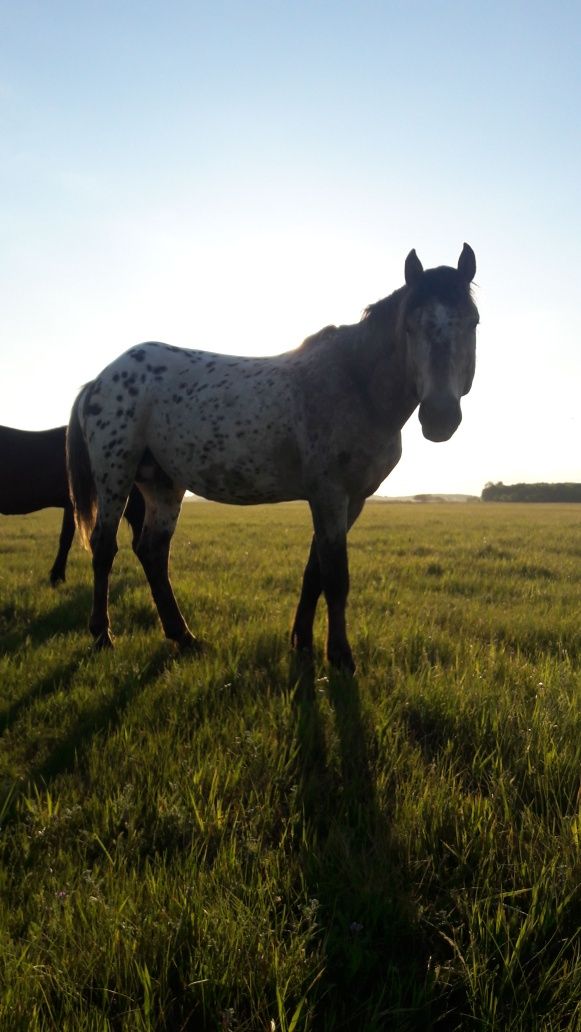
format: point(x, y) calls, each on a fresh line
point(320, 423)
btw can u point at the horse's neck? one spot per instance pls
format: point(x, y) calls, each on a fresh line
point(381, 359)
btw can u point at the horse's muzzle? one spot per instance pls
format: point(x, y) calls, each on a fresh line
point(440, 418)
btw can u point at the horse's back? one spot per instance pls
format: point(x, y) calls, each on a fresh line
point(236, 429)
point(222, 426)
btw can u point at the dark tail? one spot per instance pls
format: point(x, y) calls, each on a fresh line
point(81, 483)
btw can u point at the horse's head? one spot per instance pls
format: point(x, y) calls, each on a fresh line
point(439, 320)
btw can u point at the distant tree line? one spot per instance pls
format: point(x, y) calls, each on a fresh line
point(531, 492)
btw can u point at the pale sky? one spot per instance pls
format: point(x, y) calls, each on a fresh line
point(236, 175)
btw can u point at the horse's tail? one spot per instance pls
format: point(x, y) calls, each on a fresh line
point(81, 481)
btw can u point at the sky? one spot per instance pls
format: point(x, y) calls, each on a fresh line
point(235, 175)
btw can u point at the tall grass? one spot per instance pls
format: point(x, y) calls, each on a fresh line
point(237, 842)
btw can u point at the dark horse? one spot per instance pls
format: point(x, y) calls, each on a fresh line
point(321, 423)
point(33, 475)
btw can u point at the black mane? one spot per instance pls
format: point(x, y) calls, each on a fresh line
point(442, 284)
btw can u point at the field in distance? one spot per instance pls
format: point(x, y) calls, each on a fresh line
point(236, 842)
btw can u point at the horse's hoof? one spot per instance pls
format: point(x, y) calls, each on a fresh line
point(342, 660)
point(56, 579)
point(188, 643)
point(303, 658)
point(102, 641)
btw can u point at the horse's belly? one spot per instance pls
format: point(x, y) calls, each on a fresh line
point(236, 491)
point(237, 487)
point(237, 476)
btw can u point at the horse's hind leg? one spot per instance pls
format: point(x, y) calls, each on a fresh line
point(135, 513)
point(162, 508)
point(65, 541)
point(104, 549)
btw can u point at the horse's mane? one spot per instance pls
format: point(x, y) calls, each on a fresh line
point(441, 284)
point(316, 338)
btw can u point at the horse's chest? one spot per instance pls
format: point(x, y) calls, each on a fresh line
point(366, 465)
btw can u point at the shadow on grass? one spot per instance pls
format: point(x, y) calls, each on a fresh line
point(45, 686)
point(69, 614)
point(376, 973)
point(103, 715)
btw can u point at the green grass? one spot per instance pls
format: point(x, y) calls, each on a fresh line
point(231, 842)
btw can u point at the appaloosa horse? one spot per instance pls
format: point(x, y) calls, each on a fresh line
point(33, 476)
point(320, 423)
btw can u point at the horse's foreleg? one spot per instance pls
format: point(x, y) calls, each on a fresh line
point(335, 577)
point(104, 549)
point(302, 632)
point(65, 541)
point(331, 521)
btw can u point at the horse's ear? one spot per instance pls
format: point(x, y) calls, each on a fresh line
point(413, 268)
point(467, 264)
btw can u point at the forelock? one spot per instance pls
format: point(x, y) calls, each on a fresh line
point(443, 284)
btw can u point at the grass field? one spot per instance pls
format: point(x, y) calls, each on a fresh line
point(233, 843)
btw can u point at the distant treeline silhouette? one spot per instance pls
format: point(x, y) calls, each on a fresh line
point(531, 492)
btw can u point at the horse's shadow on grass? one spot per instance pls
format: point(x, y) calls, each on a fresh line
point(104, 716)
point(58, 679)
point(376, 958)
point(69, 614)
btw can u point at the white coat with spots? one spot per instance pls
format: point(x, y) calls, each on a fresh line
point(320, 423)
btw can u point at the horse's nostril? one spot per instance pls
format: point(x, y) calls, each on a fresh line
point(440, 418)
